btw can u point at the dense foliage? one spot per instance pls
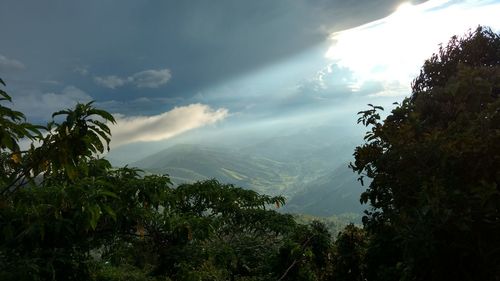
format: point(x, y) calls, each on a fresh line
point(66, 214)
point(435, 169)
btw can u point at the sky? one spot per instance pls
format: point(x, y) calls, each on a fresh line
point(168, 69)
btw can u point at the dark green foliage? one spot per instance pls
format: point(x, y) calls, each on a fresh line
point(66, 214)
point(13, 126)
point(434, 164)
point(349, 254)
point(123, 273)
point(306, 255)
point(71, 144)
point(335, 224)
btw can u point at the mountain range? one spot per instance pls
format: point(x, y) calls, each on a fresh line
point(309, 169)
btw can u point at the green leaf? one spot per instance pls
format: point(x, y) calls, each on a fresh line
point(108, 194)
point(110, 211)
point(95, 214)
point(5, 96)
point(104, 114)
point(61, 112)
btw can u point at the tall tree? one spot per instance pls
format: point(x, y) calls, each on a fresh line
point(435, 169)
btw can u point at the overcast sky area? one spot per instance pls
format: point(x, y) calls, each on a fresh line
point(169, 68)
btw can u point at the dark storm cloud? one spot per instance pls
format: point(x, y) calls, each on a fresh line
point(201, 42)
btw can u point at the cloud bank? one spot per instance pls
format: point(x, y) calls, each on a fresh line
point(165, 125)
point(151, 78)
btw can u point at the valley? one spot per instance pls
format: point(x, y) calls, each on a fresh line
point(310, 170)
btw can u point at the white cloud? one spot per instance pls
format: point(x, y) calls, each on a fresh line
point(42, 105)
point(165, 125)
point(7, 64)
point(151, 78)
point(111, 82)
point(393, 49)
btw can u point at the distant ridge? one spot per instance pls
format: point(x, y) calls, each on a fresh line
point(301, 176)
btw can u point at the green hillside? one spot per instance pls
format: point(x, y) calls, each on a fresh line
point(337, 192)
point(188, 163)
point(305, 175)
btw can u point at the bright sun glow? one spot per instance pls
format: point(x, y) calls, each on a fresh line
point(391, 50)
point(404, 8)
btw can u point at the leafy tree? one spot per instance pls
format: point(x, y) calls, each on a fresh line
point(13, 127)
point(70, 145)
point(66, 214)
point(434, 164)
point(306, 254)
point(349, 254)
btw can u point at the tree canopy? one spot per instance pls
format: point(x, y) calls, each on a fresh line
point(67, 214)
point(434, 169)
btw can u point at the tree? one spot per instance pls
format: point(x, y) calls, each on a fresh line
point(305, 254)
point(66, 214)
point(69, 146)
point(350, 248)
point(434, 165)
point(13, 127)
